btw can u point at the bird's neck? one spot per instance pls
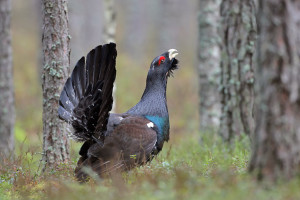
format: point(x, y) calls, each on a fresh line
point(153, 101)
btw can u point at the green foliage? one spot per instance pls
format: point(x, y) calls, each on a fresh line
point(20, 134)
point(189, 167)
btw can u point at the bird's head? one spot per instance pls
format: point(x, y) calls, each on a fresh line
point(163, 66)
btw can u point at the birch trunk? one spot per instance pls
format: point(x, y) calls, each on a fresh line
point(110, 33)
point(110, 21)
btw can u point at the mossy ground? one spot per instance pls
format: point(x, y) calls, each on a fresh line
point(190, 167)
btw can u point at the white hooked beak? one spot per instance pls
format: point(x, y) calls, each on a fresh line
point(172, 53)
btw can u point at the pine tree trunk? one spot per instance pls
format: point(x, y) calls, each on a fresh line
point(7, 109)
point(209, 66)
point(239, 38)
point(276, 149)
point(56, 62)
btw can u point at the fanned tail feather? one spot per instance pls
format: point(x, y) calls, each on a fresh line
point(86, 98)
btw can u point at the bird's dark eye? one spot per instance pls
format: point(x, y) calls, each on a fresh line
point(161, 60)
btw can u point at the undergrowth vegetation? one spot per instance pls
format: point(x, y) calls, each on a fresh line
point(190, 167)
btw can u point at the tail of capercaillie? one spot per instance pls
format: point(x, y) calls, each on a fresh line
point(86, 98)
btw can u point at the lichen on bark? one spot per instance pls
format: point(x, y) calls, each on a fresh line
point(56, 61)
point(238, 32)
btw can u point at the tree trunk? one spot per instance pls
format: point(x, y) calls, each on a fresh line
point(109, 33)
point(110, 21)
point(85, 26)
point(237, 78)
point(166, 11)
point(56, 62)
point(133, 37)
point(7, 110)
point(276, 149)
point(209, 66)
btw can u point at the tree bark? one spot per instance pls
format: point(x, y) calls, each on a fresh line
point(209, 66)
point(133, 37)
point(276, 149)
point(239, 39)
point(166, 11)
point(56, 63)
point(7, 109)
point(110, 21)
point(86, 24)
point(109, 33)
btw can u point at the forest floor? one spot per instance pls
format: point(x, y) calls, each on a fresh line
point(187, 168)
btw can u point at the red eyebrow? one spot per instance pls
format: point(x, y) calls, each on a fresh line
point(160, 59)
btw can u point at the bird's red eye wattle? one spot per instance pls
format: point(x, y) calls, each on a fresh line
point(161, 60)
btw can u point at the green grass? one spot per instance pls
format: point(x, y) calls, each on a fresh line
point(187, 168)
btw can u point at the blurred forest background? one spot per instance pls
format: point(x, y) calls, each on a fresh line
point(139, 40)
